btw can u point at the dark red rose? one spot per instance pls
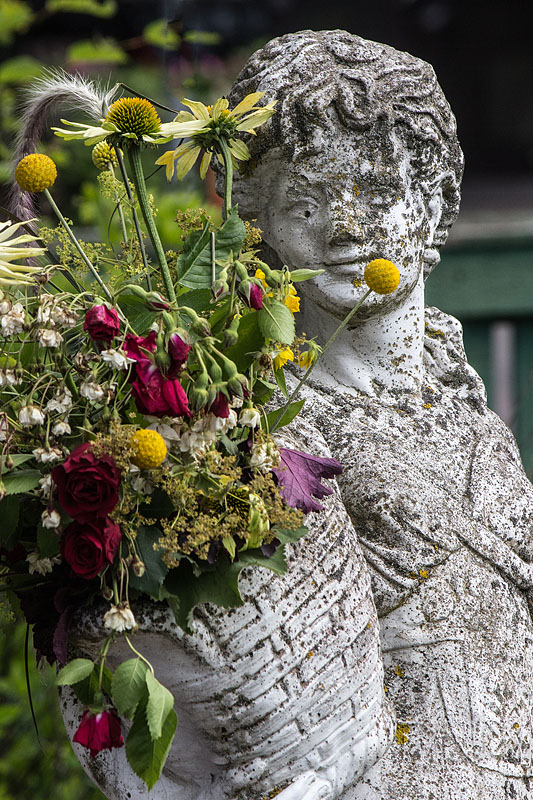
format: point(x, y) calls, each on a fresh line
point(156, 395)
point(88, 547)
point(101, 323)
point(178, 350)
point(87, 485)
point(220, 406)
point(99, 731)
point(136, 346)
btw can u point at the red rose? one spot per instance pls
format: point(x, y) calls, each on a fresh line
point(87, 485)
point(101, 323)
point(220, 406)
point(136, 346)
point(156, 395)
point(88, 547)
point(99, 731)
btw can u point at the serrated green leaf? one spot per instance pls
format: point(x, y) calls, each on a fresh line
point(9, 514)
point(250, 341)
point(304, 274)
point(17, 458)
point(146, 756)
point(276, 322)
point(128, 686)
point(87, 689)
point(156, 569)
point(288, 415)
point(138, 314)
point(75, 671)
point(159, 705)
point(287, 535)
point(22, 481)
point(263, 391)
point(194, 264)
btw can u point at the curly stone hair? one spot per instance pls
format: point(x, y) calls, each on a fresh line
point(370, 86)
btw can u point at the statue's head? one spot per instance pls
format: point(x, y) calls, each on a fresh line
point(361, 155)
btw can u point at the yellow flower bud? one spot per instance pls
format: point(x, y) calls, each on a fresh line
point(35, 173)
point(103, 155)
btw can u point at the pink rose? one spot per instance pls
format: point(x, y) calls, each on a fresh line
point(88, 547)
point(87, 485)
point(136, 346)
point(156, 395)
point(99, 731)
point(101, 323)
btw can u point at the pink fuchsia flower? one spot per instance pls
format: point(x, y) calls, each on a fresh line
point(156, 395)
point(99, 732)
point(101, 323)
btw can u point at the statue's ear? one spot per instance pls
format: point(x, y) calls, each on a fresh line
point(434, 212)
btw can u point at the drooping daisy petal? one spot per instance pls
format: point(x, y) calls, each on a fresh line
point(7, 228)
point(220, 105)
point(168, 159)
point(184, 116)
point(199, 110)
point(177, 129)
point(239, 150)
point(204, 165)
point(255, 119)
point(246, 103)
point(186, 162)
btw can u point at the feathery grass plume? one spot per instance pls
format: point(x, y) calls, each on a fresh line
point(43, 98)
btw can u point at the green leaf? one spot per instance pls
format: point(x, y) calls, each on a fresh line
point(87, 689)
point(160, 34)
point(197, 299)
point(146, 756)
point(160, 704)
point(48, 542)
point(104, 51)
point(9, 514)
point(136, 311)
point(19, 70)
point(194, 264)
point(250, 341)
point(160, 505)
point(17, 458)
point(279, 377)
point(128, 686)
point(277, 322)
point(22, 481)
point(287, 535)
point(288, 415)
point(304, 274)
point(263, 391)
point(76, 671)
point(202, 37)
point(105, 9)
point(156, 569)
point(15, 17)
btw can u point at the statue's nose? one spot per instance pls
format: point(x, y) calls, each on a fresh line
point(344, 227)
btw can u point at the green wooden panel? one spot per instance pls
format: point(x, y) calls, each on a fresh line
point(484, 281)
point(523, 427)
point(477, 345)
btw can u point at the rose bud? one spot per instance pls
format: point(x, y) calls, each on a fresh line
point(101, 323)
point(220, 406)
point(251, 293)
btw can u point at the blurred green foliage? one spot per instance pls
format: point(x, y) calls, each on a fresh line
point(29, 769)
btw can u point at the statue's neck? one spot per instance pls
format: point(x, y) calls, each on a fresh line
point(385, 350)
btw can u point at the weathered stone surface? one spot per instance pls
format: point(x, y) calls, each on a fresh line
point(362, 161)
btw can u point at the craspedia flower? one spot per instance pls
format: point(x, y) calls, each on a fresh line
point(382, 276)
point(134, 115)
point(149, 449)
point(103, 155)
point(35, 173)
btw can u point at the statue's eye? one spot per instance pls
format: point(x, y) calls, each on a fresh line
point(301, 210)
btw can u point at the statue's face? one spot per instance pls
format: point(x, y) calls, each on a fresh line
point(338, 211)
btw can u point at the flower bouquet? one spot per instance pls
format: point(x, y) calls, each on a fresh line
point(137, 421)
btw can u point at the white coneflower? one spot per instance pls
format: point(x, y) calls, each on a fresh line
point(30, 415)
point(119, 619)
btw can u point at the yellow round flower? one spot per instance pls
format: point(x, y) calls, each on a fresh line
point(382, 276)
point(149, 449)
point(134, 115)
point(103, 155)
point(35, 173)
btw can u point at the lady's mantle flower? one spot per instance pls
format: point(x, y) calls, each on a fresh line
point(207, 125)
point(13, 249)
point(119, 618)
point(99, 732)
point(30, 415)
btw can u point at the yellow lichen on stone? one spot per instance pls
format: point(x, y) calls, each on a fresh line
point(399, 671)
point(423, 573)
point(402, 733)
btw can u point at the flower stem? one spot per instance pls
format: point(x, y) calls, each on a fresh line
point(328, 344)
point(77, 245)
point(134, 215)
point(142, 195)
point(228, 176)
point(139, 655)
point(119, 209)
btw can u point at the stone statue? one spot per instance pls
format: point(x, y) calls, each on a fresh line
point(431, 521)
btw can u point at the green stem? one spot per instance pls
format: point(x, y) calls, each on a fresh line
point(228, 176)
point(102, 662)
point(77, 245)
point(328, 344)
point(119, 209)
point(142, 196)
point(140, 655)
point(135, 218)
